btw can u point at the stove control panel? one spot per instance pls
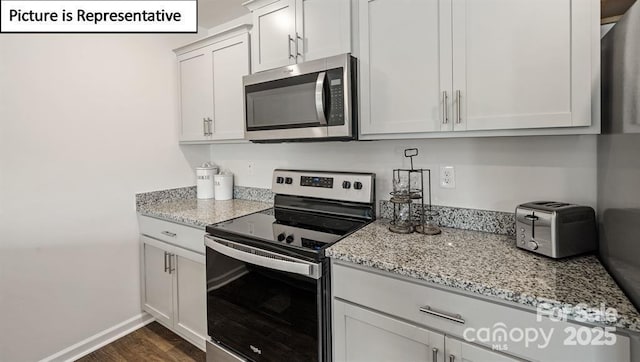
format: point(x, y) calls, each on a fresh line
point(316, 181)
point(342, 186)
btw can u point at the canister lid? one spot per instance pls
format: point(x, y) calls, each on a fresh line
point(207, 166)
point(223, 174)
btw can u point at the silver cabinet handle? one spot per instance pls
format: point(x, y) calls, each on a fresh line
point(452, 358)
point(290, 40)
point(452, 317)
point(171, 266)
point(298, 38)
point(169, 233)
point(458, 101)
point(445, 111)
point(204, 127)
point(320, 99)
point(166, 265)
point(435, 355)
point(211, 127)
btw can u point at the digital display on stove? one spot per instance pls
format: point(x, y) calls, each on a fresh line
point(315, 181)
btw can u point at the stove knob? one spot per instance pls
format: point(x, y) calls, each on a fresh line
point(281, 237)
point(357, 185)
point(280, 179)
point(288, 180)
point(290, 239)
point(346, 184)
point(533, 245)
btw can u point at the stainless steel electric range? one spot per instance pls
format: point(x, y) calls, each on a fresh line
point(268, 281)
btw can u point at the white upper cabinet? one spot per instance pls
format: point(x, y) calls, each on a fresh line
point(323, 28)
point(506, 66)
point(292, 31)
point(522, 63)
point(196, 96)
point(405, 60)
point(230, 62)
point(273, 41)
point(210, 87)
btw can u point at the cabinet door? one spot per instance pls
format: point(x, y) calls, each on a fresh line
point(323, 28)
point(273, 43)
point(519, 64)
point(364, 335)
point(158, 284)
point(459, 351)
point(230, 62)
point(196, 94)
point(405, 59)
point(190, 296)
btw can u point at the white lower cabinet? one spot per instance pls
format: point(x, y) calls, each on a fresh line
point(379, 316)
point(364, 335)
point(174, 288)
point(457, 350)
point(158, 286)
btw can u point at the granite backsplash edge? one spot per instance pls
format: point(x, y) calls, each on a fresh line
point(496, 222)
point(190, 192)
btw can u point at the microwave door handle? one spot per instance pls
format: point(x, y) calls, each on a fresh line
point(320, 98)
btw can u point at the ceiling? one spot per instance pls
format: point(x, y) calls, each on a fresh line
point(216, 12)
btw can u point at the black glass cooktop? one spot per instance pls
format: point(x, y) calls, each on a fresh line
point(297, 231)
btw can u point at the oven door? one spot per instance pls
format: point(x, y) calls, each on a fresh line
point(261, 305)
point(303, 101)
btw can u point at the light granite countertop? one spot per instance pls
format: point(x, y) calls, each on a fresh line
point(490, 265)
point(200, 213)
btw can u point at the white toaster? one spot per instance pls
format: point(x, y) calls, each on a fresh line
point(556, 229)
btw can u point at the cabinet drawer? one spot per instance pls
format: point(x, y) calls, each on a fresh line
point(172, 233)
point(401, 297)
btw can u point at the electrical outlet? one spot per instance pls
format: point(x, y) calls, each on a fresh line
point(251, 166)
point(447, 177)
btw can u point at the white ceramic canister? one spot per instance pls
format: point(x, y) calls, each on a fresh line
point(223, 186)
point(204, 180)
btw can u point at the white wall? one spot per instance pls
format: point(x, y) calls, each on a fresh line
point(491, 173)
point(86, 122)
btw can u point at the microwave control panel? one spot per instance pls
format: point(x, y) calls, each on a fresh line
point(336, 95)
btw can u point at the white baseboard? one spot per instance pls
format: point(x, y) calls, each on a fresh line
point(100, 339)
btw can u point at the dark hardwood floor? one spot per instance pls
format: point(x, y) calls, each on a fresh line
point(152, 342)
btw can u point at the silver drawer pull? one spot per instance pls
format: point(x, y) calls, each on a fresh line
point(452, 358)
point(452, 317)
point(169, 234)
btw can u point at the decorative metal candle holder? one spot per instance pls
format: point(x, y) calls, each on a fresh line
point(408, 198)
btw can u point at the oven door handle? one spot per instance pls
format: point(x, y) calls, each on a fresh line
point(264, 258)
point(320, 98)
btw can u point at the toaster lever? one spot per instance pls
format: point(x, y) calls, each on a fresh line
point(531, 217)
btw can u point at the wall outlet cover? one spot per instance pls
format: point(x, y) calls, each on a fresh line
point(447, 177)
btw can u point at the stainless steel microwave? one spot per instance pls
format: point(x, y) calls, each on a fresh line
point(310, 101)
